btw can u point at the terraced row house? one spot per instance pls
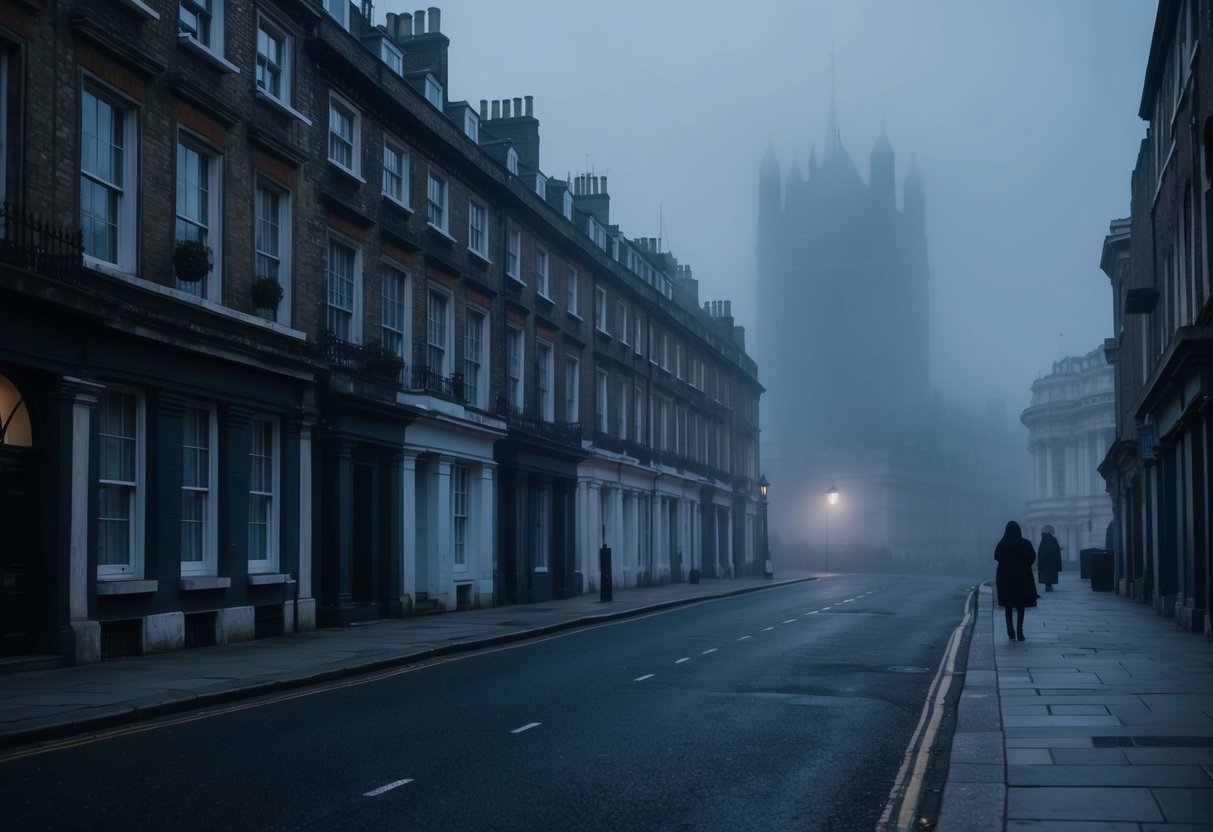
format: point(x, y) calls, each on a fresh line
point(289, 337)
point(1159, 469)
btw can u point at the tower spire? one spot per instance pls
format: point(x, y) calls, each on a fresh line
point(832, 122)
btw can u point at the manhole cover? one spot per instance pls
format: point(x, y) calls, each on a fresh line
point(909, 668)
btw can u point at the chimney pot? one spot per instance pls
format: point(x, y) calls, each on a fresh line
point(505, 108)
point(518, 108)
point(530, 105)
point(496, 108)
point(728, 308)
point(435, 19)
point(484, 109)
point(393, 26)
point(406, 25)
point(419, 22)
point(604, 190)
point(593, 184)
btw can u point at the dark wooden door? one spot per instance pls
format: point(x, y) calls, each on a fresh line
point(20, 590)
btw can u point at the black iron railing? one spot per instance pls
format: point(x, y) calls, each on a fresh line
point(30, 242)
point(530, 422)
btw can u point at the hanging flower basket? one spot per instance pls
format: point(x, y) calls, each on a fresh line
point(191, 261)
point(267, 294)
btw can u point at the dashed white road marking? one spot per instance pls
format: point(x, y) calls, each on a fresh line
point(684, 659)
point(849, 600)
point(790, 621)
point(823, 609)
point(743, 638)
point(709, 650)
point(766, 629)
point(387, 788)
point(526, 727)
point(814, 612)
point(645, 676)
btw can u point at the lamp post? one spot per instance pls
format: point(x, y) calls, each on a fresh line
point(763, 487)
point(831, 500)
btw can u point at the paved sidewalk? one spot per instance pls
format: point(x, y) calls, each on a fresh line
point(1101, 720)
point(44, 704)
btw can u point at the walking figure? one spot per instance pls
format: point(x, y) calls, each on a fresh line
point(1050, 558)
point(1014, 581)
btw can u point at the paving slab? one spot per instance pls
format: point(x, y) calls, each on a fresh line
point(1082, 803)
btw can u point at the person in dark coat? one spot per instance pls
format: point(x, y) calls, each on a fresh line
point(1049, 563)
point(1014, 581)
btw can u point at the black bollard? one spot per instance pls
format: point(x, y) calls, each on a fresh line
point(605, 590)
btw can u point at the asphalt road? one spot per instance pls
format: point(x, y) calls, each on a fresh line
point(789, 708)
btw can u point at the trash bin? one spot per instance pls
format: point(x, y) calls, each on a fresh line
point(1084, 563)
point(1101, 570)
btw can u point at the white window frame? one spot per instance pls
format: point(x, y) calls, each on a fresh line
point(207, 30)
point(568, 205)
point(621, 312)
point(511, 161)
point(515, 367)
point(545, 358)
point(339, 10)
point(478, 229)
point(135, 487)
point(281, 239)
point(602, 402)
point(439, 320)
point(333, 308)
point(268, 494)
point(125, 189)
point(395, 310)
point(636, 328)
point(209, 224)
point(391, 56)
point(638, 414)
point(541, 272)
point(395, 182)
point(210, 521)
point(572, 294)
point(433, 92)
point(513, 254)
point(476, 358)
point(471, 124)
point(283, 69)
point(600, 310)
point(342, 107)
point(437, 198)
point(572, 389)
point(624, 384)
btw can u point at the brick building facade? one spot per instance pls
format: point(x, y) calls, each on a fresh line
point(417, 374)
point(1158, 468)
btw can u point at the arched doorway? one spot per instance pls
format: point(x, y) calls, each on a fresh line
point(20, 585)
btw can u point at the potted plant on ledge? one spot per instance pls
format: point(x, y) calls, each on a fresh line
point(267, 294)
point(191, 261)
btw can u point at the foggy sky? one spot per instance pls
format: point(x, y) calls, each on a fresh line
point(1022, 116)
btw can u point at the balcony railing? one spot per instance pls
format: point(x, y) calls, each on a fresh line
point(379, 361)
point(530, 422)
point(29, 242)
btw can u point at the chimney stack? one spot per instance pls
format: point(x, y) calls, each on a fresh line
point(435, 19)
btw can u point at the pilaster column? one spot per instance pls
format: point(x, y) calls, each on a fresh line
point(482, 523)
point(79, 401)
point(409, 550)
point(445, 549)
point(339, 474)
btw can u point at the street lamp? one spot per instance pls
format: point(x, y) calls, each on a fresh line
point(831, 500)
point(763, 487)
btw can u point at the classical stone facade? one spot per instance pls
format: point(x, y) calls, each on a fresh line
point(1071, 423)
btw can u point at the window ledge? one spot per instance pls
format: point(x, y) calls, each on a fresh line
point(395, 203)
point(515, 278)
point(347, 172)
point(126, 587)
point(142, 9)
point(573, 314)
point(199, 583)
point(282, 106)
point(266, 578)
point(441, 232)
point(541, 296)
point(213, 58)
point(481, 256)
point(600, 331)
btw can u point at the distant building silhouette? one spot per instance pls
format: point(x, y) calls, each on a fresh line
point(844, 342)
point(1071, 424)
